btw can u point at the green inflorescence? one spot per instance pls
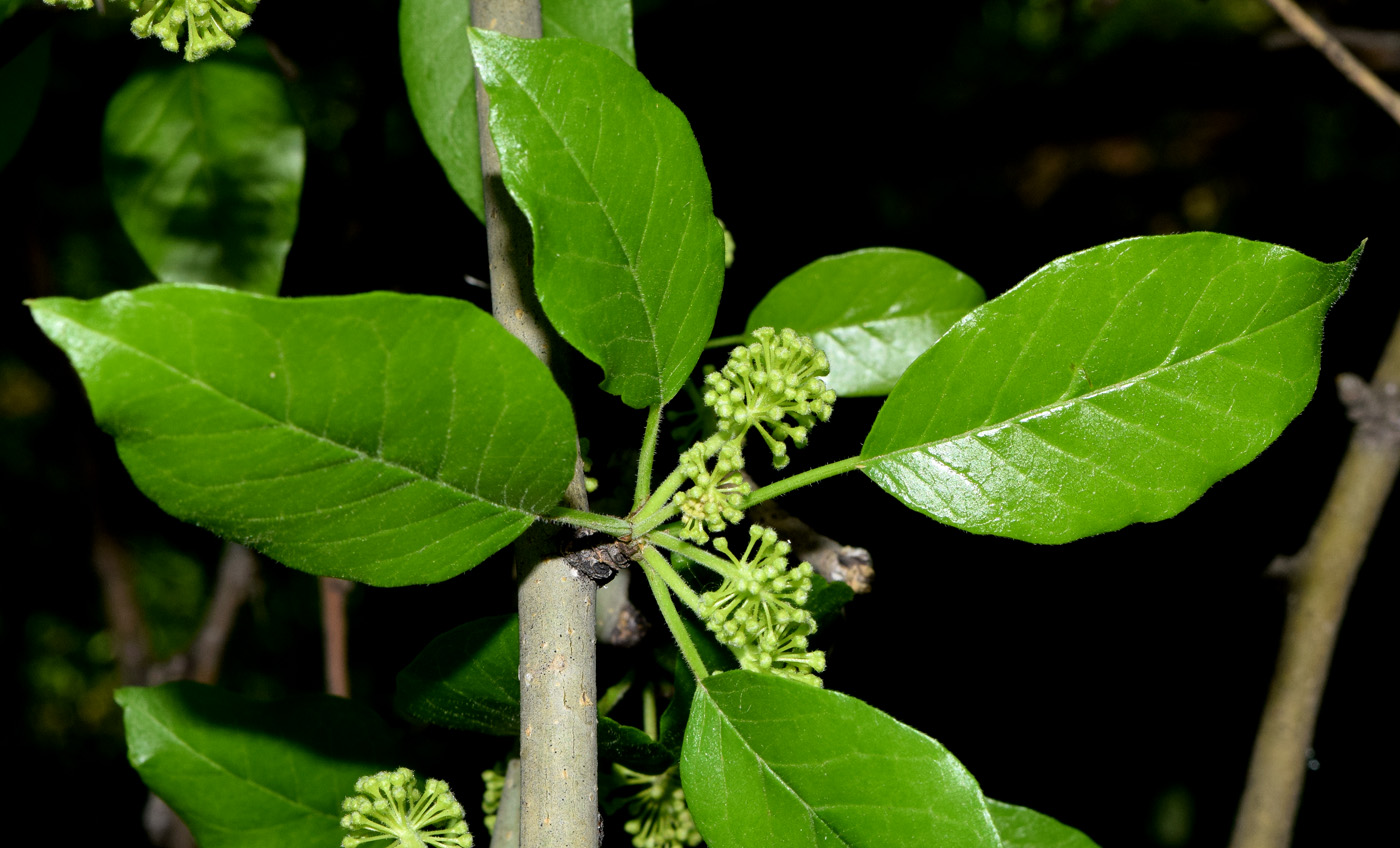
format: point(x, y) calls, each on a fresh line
point(491, 798)
point(660, 817)
point(71, 4)
point(389, 805)
point(775, 378)
point(209, 25)
point(757, 611)
point(714, 501)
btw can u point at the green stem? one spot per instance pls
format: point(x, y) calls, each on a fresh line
point(655, 566)
point(727, 341)
point(806, 478)
point(648, 454)
point(609, 524)
point(656, 511)
point(649, 711)
point(672, 543)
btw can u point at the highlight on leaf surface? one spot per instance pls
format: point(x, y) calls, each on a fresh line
point(1112, 386)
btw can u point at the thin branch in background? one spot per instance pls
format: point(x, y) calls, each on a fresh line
point(1378, 48)
point(829, 558)
point(507, 832)
point(131, 642)
point(335, 634)
point(234, 585)
point(1360, 76)
point(1321, 575)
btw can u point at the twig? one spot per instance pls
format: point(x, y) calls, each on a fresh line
point(507, 832)
point(829, 558)
point(1360, 76)
point(335, 632)
point(130, 639)
point(558, 652)
point(1320, 577)
point(237, 575)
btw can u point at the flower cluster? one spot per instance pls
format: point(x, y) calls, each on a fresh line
point(209, 24)
point(660, 818)
point(72, 4)
point(390, 806)
point(776, 377)
point(491, 798)
point(714, 501)
point(757, 610)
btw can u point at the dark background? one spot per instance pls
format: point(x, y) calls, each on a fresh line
point(1114, 683)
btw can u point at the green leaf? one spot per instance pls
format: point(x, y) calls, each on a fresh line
point(631, 747)
point(469, 679)
point(204, 164)
point(1112, 386)
point(1023, 828)
point(606, 23)
point(871, 311)
point(21, 88)
point(777, 763)
point(437, 67)
point(244, 774)
point(629, 259)
point(827, 599)
point(384, 438)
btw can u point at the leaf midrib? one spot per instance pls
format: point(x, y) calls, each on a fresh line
point(413, 472)
point(1114, 387)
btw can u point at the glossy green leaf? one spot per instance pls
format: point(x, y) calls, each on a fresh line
point(21, 88)
point(629, 258)
point(437, 68)
point(606, 23)
point(871, 311)
point(204, 164)
point(469, 679)
point(1112, 386)
point(384, 438)
point(1023, 828)
point(248, 774)
point(777, 763)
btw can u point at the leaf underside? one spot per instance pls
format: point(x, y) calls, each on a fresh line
point(245, 774)
point(1112, 386)
point(872, 312)
point(629, 258)
point(384, 438)
point(204, 164)
point(776, 763)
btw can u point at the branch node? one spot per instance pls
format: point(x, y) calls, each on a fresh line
point(1374, 407)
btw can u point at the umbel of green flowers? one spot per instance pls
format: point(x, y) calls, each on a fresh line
point(757, 610)
point(660, 818)
point(209, 25)
point(390, 811)
point(777, 377)
point(715, 499)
